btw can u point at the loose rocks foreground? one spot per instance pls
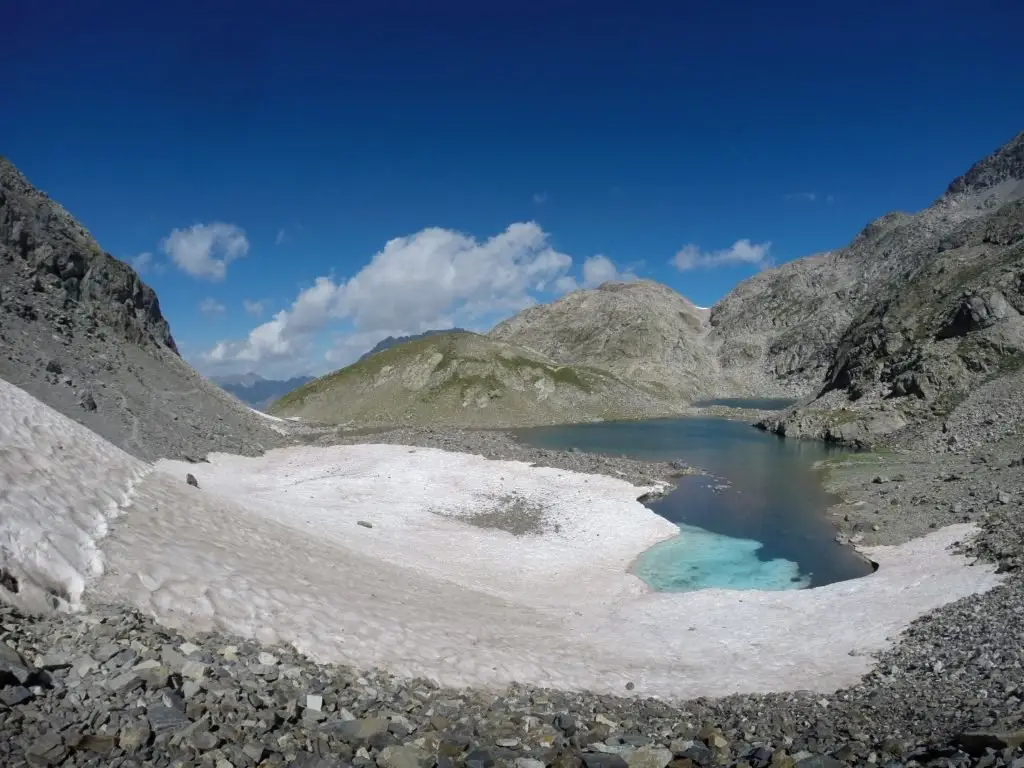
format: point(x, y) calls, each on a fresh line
point(111, 688)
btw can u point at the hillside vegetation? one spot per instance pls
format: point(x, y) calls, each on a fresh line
point(467, 379)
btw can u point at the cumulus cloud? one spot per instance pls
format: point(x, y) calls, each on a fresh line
point(211, 307)
point(435, 278)
point(741, 252)
point(596, 270)
point(414, 283)
point(205, 250)
point(254, 308)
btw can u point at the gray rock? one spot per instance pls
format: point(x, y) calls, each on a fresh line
point(134, 736)
point(12, 666)
point(649, 757)
point(191, 480)
point(48, 749)
point(163, 717)
point(14, 695)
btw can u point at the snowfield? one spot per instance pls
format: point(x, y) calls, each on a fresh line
point(272, 548)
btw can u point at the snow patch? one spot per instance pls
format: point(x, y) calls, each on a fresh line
point(271, 548)
point(60, 486)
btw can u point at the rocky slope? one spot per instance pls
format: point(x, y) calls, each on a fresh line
point(640, 331)
point(464, 379)
point(899, 325)
point(80, 331)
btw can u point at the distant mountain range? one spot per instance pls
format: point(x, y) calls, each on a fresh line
point(394, 341)
point(253, 390)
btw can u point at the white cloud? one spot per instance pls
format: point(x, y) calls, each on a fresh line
point(596, 270)
point(741, 252)
point(280, 237)
point(540, 198)
point(205, 250)
point(211, 307)
point(807, 197)
point(414, 283)
point(254, 308)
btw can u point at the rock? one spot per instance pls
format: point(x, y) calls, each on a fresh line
point(399, 757)
point(977, 741)
point(649, 757)
point(125, 682)
point(364, 523)
point(54, 367)
point(479, 758)
point(48, 749)
point(1003, 497)
point(819, 761)
point(101, 744)
point(357, 730)
point(133, 737)
point(267, 659)
point(12, 667)
point(602, 760)
point(14, 695)
point(314, 702)
point(87, 401)
point(204, 741)
point(163, 717)
point(191, 480)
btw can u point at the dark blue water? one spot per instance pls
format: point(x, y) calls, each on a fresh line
point(765, 530)
point(760, 403)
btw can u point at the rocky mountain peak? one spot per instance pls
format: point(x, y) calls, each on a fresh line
point(1005, 164)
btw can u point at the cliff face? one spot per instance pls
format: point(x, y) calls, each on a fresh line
point(916, 312)
point(82, 332)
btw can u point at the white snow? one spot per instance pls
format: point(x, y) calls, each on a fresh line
point(270, 548)
point(265, 415)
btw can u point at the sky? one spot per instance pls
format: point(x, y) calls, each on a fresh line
point(299, 180)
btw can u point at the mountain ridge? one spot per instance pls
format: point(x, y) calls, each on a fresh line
point(83, 333)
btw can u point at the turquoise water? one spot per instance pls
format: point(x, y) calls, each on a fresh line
point(756, 522)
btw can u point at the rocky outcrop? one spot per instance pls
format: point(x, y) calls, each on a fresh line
point(640, 331)
point(899, 325)
point(81, 331)
point(464, 379)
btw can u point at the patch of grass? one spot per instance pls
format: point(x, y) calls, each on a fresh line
point(370, 367)
point(510, 513)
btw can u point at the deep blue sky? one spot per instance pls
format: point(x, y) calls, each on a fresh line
point(324, 132)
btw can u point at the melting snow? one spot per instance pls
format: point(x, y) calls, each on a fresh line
point(270, 548)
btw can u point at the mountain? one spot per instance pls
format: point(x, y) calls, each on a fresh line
point(465, 379)
point(252, 389)
point(394, 341)
point(81, 332)
point(899, 326)
point(640, 331)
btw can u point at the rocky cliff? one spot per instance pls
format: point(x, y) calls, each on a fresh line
point(464, 379)
point(82, 332)
point(900, 325)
